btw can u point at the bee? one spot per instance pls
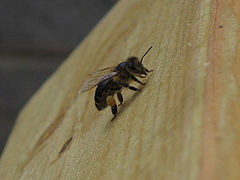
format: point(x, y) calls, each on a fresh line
point(111, 80)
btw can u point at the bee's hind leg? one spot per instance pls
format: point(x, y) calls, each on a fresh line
point(111, 102)
point(114, 111)
point(120, 98)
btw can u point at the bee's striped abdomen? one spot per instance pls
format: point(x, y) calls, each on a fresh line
point(104, 89)
point(100, 98)
point(101, 93)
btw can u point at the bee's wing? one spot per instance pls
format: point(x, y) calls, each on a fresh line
point(93, 81)
point(102, 72)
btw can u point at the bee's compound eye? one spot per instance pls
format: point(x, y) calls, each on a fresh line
point(131, 65)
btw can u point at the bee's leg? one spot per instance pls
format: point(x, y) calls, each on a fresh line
point(148, 71)
point(127, 86)
point(114, 111)
point(135, 79)
point(111, 102)
point(119, 95)
point(142, 76)
point(120, 98)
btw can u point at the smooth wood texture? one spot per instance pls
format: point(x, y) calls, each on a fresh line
point(184, 124)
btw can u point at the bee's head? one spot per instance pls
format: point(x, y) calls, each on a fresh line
point(136, 67)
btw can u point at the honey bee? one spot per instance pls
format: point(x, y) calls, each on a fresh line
point(111, 80)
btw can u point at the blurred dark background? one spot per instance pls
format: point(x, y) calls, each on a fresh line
point(35, 38)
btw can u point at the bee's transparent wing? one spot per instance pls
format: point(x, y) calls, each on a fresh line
point(102, 72)
point(96, 77)
point(93, 81)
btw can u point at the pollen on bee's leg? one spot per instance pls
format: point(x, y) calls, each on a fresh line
point(111, 101)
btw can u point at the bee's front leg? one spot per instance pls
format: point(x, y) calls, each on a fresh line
point(148, 71)
point(135, 79)
point(142, 76)
point(127, 86)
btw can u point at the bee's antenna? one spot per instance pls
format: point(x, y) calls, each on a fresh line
point(146, 53)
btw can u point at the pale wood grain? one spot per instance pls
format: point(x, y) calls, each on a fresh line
point(184, 124)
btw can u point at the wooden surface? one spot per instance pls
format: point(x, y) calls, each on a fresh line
point(35, 38)
point(184, 124)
